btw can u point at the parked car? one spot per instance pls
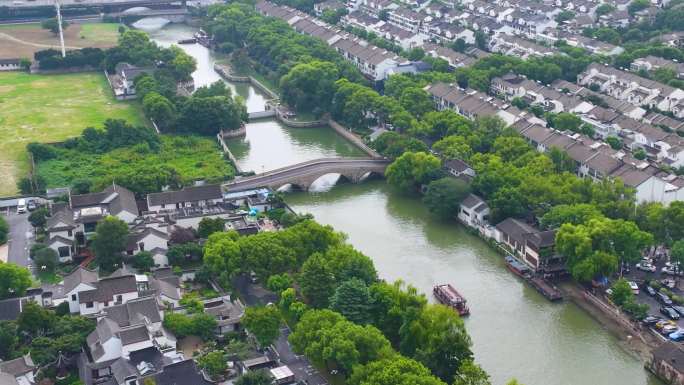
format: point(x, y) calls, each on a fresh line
point(679, 309)
point(669, 329)
point(651, 320)
point(651, 291)
point(677, 336)
point(669, 312)
point(21, 206)
point(635, 288)
point(664, 323)
point(643, 266)
point(671, 271)
point(31, 205)
point(668, 282)
point(664, 299)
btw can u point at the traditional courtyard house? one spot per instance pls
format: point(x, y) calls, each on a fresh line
point(474, 213)
point(194, 196)
point(19, 371)
point(228, 313)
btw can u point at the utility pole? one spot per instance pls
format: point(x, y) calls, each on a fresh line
point(59, 25)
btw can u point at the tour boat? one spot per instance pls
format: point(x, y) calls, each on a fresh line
point(517, 267)
point(447, 295)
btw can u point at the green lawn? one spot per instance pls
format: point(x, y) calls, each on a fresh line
point(100, 32)
point(50, 108)
point(190, 157)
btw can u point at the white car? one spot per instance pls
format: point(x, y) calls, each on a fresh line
point(646, 267)
point(635, 288)
point(670, 271)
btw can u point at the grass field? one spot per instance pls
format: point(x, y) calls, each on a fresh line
point(50, 108)
point(22, 40)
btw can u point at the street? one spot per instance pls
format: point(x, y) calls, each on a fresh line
point(255, 295)
point(19, 239)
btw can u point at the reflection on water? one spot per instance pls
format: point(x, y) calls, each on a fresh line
point(269, 145)
point(151, 24)
point(205, 74)
point(515, 331)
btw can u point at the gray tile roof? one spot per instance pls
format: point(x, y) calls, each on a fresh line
point(18, 366)
point(134, 312)
point(187, 194)
point(134, 335)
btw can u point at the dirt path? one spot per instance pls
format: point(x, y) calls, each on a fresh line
point(6, 36)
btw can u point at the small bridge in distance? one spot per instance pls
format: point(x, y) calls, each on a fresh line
point(303, 175)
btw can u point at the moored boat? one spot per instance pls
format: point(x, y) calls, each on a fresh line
point(449, 296)
point(517, 267)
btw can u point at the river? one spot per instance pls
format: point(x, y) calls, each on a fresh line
point(515, 331)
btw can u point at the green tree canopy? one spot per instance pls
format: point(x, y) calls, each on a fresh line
point(264, 323)
point(412, 169)
point(14, 280)
point(444, 196)
point(109, 242)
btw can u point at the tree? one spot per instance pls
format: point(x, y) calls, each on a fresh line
point(325, 336)
point(182, 65)
point(14, 280)
point(614, 142)
point(637, 5)
point(208, 116)
point(278, 282)
point(143, 261)
point(412, 169)
point(604, 9)
point(111, 236)
point(470, 373)
point(639, 154)
point(621, 292)
point(397, 370)
point(566, 121)
point(52, 25)
point(443, 196)
point(4, 230)
point(437, 338)
point(159, 109)
point(208, 226)
point(46, 259)
point(258, 377)
point(8, 339)
point(573, 214)
point(352, 300)
point(564, 16)
point(214, 363)
point(416, 101)
point(316, 281)
point(677, 253)
point(35, 320)
point(453, 147)
point(310, 86)
point(264, 323)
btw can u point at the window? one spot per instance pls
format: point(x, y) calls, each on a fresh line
point(119, 298)
point(89, 305)
point(141, 246)
point(73, 297)
point(64, 251)
point(70, 233)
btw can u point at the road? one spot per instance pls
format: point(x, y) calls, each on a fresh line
point(255, 295)
point(20, 237)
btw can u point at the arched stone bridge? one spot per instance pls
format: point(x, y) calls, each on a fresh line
point(303, 175)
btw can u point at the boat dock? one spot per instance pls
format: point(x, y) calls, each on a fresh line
point(546, 289)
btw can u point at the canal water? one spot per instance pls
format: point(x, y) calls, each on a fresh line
point(515, 331)
point(268, 144)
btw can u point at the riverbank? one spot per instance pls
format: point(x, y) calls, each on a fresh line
point(633, 336)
